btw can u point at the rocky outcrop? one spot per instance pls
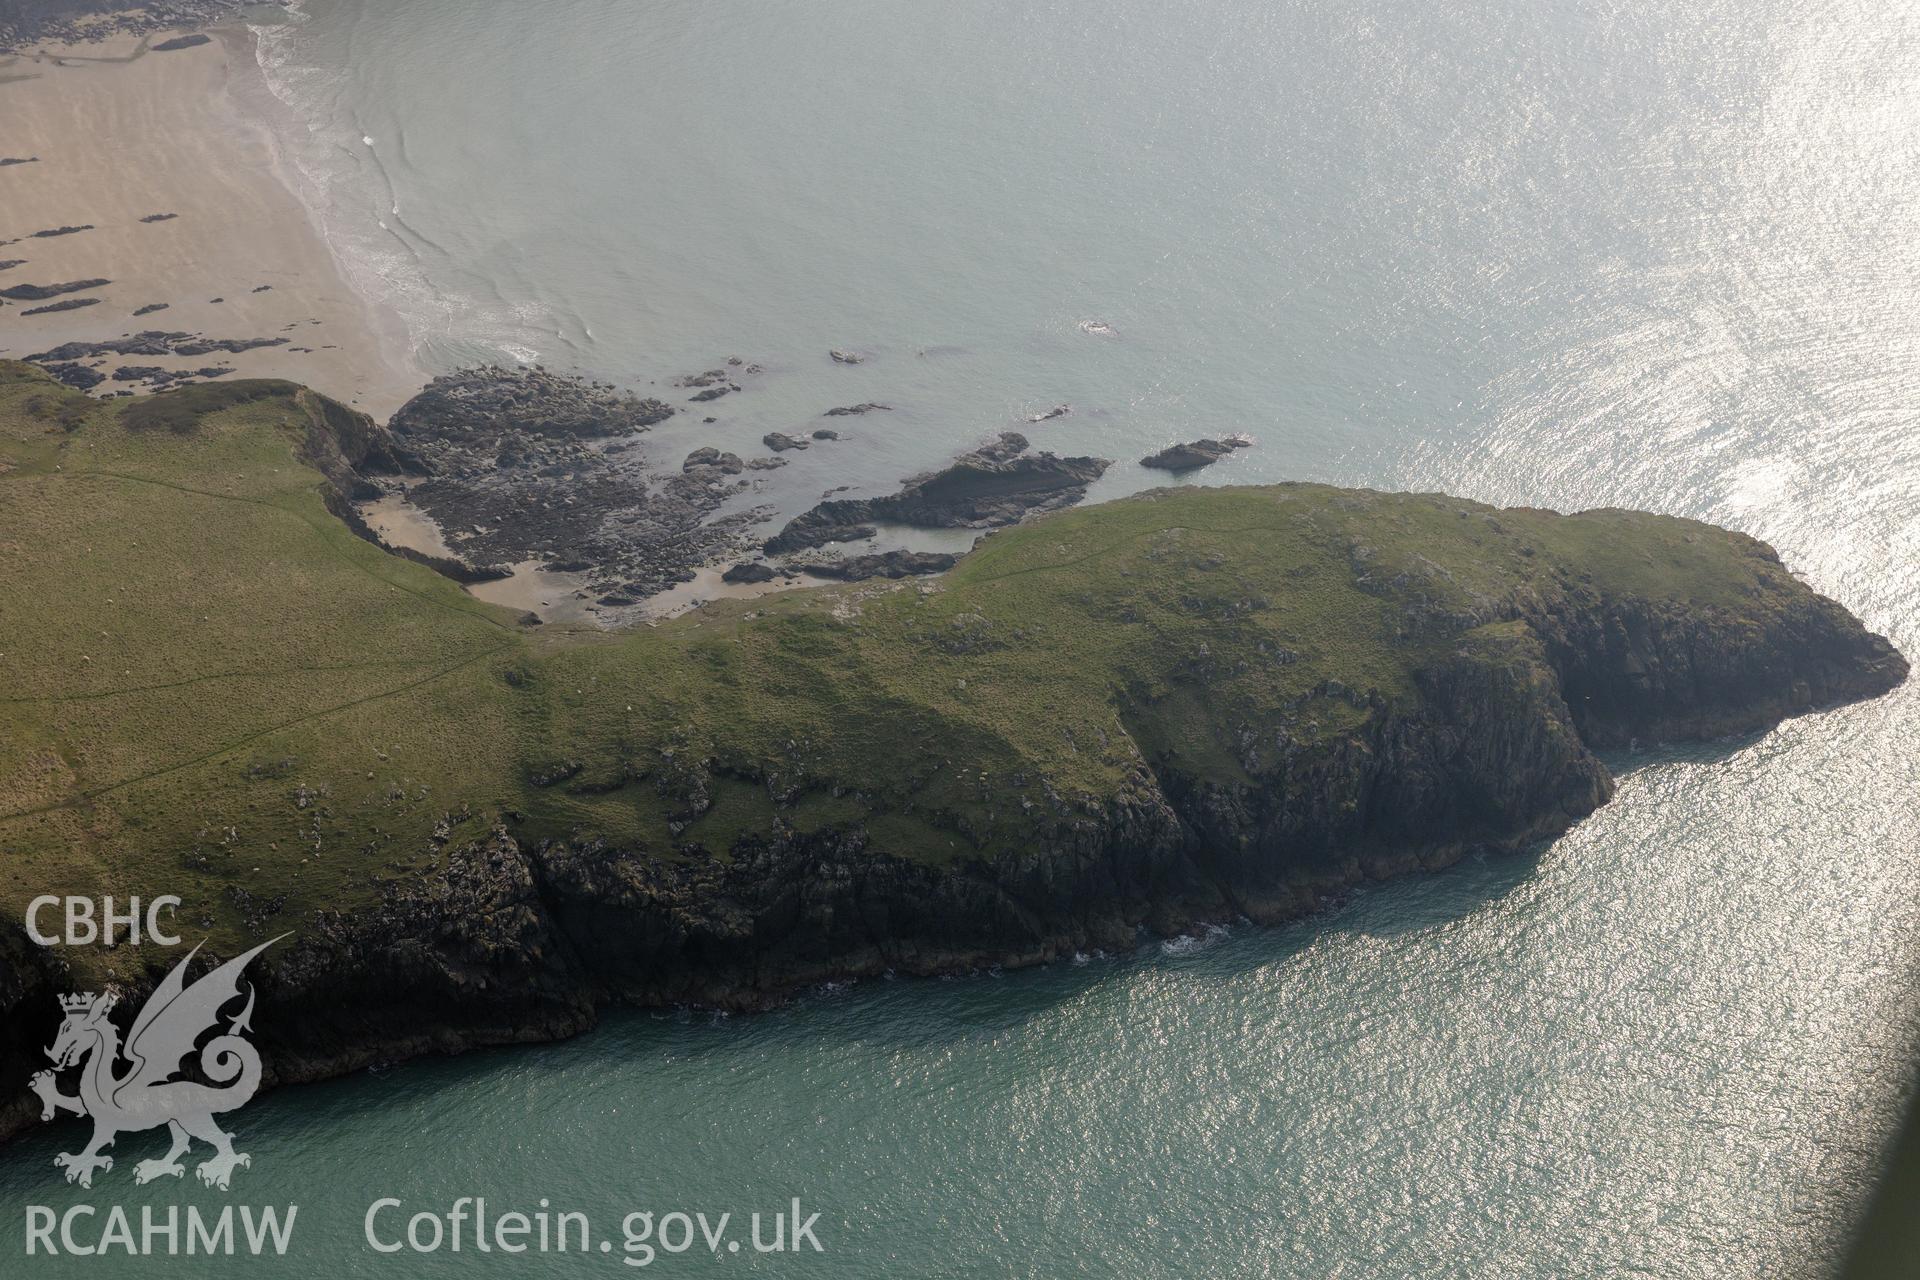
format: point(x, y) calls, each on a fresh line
point(1630, 671)
point(77, 376)
point(889, 564)
point(462, 419)
point(997, 484)
point(156, 377)
point(344, 444)
point(523, 464)
point(1194, 454)
point(68, 304)
point(749, 571)
point(41, 292)
point(706, 456)
point(463, 957)
point(153, 342)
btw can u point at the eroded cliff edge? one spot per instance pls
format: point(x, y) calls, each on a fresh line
point(1191, 705)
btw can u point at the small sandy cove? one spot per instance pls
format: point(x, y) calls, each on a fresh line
point(117, 132)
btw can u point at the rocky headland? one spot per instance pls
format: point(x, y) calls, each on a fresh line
point(1192, 705)
point(1194, 454)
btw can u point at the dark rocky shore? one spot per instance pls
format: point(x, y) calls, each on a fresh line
point(995, 485)
point(522, 464)
point(84, 365)
point(525, 465)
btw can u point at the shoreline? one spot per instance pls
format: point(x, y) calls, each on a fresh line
point(188, 217)
point(190, 223)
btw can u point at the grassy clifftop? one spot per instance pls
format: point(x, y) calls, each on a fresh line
point(210, 687)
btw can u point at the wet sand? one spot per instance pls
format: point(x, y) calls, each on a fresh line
point(706, 587)
point(122, 133)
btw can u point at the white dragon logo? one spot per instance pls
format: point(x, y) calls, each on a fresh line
point(145, 1096)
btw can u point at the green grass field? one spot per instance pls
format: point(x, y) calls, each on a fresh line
point(210, 687)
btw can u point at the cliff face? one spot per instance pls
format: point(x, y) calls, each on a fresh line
point(1636, 670)
point(1193, 705)
point(1491, 747)
point(520, 941)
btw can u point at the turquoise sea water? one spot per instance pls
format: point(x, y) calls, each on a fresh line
point(1620, 254)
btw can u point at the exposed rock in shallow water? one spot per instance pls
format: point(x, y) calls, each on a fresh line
point(150, 308)
point(475, 409)
point(41, 292)
point(996, 484)
point(522, 464)
point(890, 564)
point(51, 232)
point(181, 42)
point(154, 342)
point(708, 456)
point(841, 356)
point(8, 264)
point(1194, 454)
point(71, 304)
point(750, 571)
point(780, 442)
point(160, 217)
point(854, 410)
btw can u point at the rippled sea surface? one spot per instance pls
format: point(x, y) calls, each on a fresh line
point(1564, 255)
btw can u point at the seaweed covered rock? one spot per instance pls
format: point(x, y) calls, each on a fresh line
point(996, 484)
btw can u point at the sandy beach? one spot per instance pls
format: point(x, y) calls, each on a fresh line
point(117, 133)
